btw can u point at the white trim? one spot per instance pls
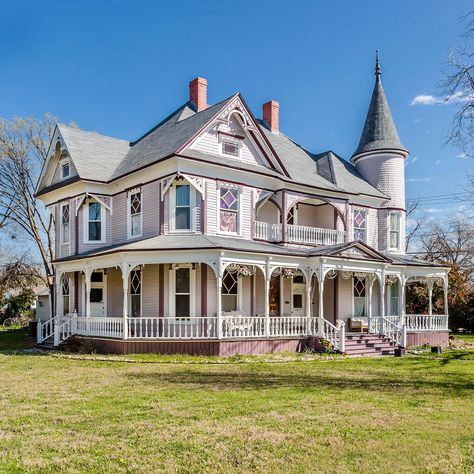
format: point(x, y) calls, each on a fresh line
point(232, 140)
point(172, 291)
point(172, 208)
point(85, 220)
point(103, 285)
point(129, 213)
point(389, 230)
point(61, 239)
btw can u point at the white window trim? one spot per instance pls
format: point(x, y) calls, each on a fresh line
point(172, 207)
point(361, 209)
point(172, 292)
point(61, 234)
point(230, 139)
point(389, 245)
point(103, 220)
point(129, 213)
point(130, 292)
point(239, 210)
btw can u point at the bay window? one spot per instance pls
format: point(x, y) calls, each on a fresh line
point(229, 209)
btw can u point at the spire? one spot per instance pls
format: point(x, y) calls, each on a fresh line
point(379, 131)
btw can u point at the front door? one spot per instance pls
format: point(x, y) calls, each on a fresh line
point(98, 294)
point(297, 295)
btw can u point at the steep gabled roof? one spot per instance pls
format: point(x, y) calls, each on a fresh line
point(379, 132)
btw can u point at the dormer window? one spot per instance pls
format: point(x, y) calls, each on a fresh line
point(66, 169)
point(230, 147)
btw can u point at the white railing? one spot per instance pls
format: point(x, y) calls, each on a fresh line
point(171, 328)
point(335, 335)
point(395, 332)
point(100, 327)
point(44, 330)
point(423, 322)
point(289, 326)
point(65, 327)
point(314, 235)
point(243, 326)
point(266, 231)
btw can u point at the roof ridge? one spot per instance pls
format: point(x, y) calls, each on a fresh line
point(91, 132)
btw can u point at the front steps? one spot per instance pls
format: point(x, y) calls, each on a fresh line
point(369, 345)
point(47, 344)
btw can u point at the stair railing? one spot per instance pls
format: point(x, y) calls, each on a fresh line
point(336, 335)
point(396, 333)
point(45, 329)
point(65, 329)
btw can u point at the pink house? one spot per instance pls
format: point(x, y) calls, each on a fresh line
point(216, 233)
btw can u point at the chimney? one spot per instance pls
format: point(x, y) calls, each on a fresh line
point(198, 93)
point(270, 114)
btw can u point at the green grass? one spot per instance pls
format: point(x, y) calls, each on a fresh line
point(14, 338)
point(182, 414)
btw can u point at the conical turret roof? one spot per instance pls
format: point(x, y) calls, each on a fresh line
point(379, 131)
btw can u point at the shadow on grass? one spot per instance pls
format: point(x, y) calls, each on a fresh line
point(453, 384)
point(14, 339)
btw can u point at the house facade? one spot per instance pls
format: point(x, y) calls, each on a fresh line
point(216, 233)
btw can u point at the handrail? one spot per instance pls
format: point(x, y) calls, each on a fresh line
point(394, 332)
point(65, 329)
point(45, 329)
point(426, 322)
point(314, 235)
point(335, 335)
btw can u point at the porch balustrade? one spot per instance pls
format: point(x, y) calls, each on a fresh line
point(423, 322)
point(298, 234)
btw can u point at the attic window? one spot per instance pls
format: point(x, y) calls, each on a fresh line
point(230, 147)
point(66, 169)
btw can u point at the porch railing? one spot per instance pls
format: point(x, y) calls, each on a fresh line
point(45, 329)
point(266, 231)
point(395, 332)
point(171, 328)
point(335, 335)
point(100, 326)
point(314, 235)
point(423, 322)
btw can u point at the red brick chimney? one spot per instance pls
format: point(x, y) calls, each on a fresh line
point(198, 93)
point(270, 114)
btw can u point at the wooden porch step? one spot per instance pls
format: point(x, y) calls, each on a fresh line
point(47, 344)
point(369, 345)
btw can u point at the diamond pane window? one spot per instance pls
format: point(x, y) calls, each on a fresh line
point(65, 226)
point(291, 216)
point(360, 225)
point(360, 301)
point(65, 293)
point(229, 209)
point(230, 288)
point(135, 209)
point(135, 293)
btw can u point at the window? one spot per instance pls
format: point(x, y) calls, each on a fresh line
point(94, 224)
point(135, 213)
point(97, 277)
point(183, 207)
point(230, 289)
point(360, 225)
point(291, 216)
point(182, 293)
point(394, 230)
point(229, 147)
point(97, 295)
point(360, 302)
point(65, 293)
point(297, 301)
point(229, 209)
point(65, 224)
point(66, 169)
point(135, 293)
point(394, 295)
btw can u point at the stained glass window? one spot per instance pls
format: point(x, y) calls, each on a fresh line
point(65, 225)
point(360, 225)
point(229, 209)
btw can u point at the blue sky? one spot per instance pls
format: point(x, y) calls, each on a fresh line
point(119, 67)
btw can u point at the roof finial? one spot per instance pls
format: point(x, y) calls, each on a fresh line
point(378, 72)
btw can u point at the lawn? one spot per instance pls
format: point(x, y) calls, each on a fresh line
point(343, 415)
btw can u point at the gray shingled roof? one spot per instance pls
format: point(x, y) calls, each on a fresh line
point(379, 131)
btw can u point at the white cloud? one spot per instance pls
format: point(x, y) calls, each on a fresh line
point(435, 210)
point(418, 119)
point(415, 158)
point(427, 99)
point(419, 180)
point(461, 156)
point(437, 162)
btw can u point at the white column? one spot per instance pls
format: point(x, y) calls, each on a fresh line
point(446, 296)
point(321, 305)
point(403, 299)
point(125, 274)
point(87, 278)
point(219, 305)
point(429, 284)
point(59, 304)
point(308, 296)
point(267, 304)
point(370, 280)
point(382, 303)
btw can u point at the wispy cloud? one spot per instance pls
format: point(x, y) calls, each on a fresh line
point(428, 99)
point(437, 162)
point(461, 156)
point(419, 180)
point(436, 210)
point(418, 119)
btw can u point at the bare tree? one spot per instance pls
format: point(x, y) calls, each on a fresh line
point(415, 221)
point(458, 87)
point(23, 150)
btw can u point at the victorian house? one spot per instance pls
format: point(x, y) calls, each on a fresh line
point(216, 233)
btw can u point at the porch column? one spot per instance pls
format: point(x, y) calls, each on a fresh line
point(308, 295)
point(321, 305)
point(125, 274)
point(429, 284)
point(370, 280)
point(59, 299)
point(445, 288)
point(87, 277)
point(268, 276)
point(382, 303)
point(219, 305)
point(403, 299)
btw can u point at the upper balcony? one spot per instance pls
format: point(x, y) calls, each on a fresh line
point(311, 222)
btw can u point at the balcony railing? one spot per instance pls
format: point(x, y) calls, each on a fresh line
point(298, 234)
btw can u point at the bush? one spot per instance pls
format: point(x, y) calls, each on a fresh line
point(79, 345)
